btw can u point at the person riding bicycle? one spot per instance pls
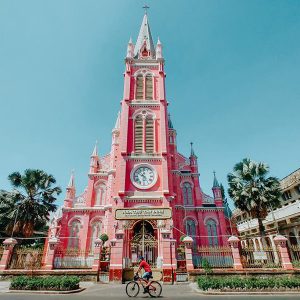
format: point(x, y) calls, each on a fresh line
point(148, 273)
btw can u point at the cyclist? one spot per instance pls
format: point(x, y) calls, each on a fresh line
point(148, 273)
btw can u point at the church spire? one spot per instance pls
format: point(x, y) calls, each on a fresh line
point(95, 151)
point(117, 125)
point(192, 151)
point(170, 124)
point(144, 39)
point(72, 180)
point(216, 183)
point(71, 191)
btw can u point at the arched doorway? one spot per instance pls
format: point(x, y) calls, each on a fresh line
point(144, 243)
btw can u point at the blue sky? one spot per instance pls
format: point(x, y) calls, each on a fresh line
point(233, 69)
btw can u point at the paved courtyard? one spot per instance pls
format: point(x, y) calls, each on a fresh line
point(114, 291)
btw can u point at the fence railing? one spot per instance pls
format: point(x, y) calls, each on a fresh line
point(26, 258)
point(268, 257)
point(295, 255)
point(214, 257)
point(72, 259)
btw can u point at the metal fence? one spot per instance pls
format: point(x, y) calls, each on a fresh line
point(268, 257)
point(73, 259)
point(214, 257)
point(295, 255)
point(27, 258)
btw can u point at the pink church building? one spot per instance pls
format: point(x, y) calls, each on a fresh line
point(143, 194)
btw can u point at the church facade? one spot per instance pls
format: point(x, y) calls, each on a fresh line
point(144, 194)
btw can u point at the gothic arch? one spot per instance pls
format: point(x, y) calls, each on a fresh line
point(143, 72)
point(144, 112)
point(95, 220)
point(207, 218)
point(75, 218)
point(190, 181)
point(187, 193)
point(191, 218)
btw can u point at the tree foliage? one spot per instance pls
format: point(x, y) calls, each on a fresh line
point(26, 208)
point(252, 191)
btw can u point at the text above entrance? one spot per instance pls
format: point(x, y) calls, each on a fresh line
point(143, 213)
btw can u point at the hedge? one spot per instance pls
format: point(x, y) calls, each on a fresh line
point(52, 283)
point(234, 282)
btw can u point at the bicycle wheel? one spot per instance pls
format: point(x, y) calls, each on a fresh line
point(132, 289)
point(155, 289)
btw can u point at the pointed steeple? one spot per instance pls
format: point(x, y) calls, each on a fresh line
point(170, 124)
point(130, 49)
point(192, 151)
point(144, 38)
point(72, 180)
point(216, 183)
point(95, 151)
point(159, 50)
point(118, 121)
point(71, 191)
point(94, 162)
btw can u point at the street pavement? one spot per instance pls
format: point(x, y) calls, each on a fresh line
point(117, 291)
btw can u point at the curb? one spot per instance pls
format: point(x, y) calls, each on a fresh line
point(45, 292)
point(235, 293)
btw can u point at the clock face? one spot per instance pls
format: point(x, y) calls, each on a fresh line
point(143, 177)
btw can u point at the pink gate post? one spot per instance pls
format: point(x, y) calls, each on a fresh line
point(169, 259)
point(97, 253)
point(9, 245)
point(281, 243)
point(234, 243)
point(116, 258)
point(188, 242)
point(49, 261)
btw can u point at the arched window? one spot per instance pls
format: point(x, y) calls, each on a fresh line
point(100, 194)
point(139, 87)
point(187, 192)
point(211, 227)
point(138, 134)
point(95, 233)
point(190, 227)
point(149, 87)
point(74, 235)
point(149, 135)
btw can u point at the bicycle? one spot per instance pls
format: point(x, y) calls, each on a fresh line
point(133, 287)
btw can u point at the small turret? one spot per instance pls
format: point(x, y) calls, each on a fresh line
point(159, 54)
point(71, 191)
point(130, 49)
point(193, 160)
point(217, 191)
point(94, 164)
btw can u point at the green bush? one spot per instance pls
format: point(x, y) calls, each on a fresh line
point(235, 282)
point(57, 283)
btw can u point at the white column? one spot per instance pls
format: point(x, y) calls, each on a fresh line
point(274, 249)
point(260, 243)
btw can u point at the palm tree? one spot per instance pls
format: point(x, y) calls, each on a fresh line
point(27, 207)
point(252, 191)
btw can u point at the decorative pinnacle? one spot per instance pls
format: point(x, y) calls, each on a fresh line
point(192, 150)
point(146, 7)
point(216, 183)
point(95, 151)
point(72, 180)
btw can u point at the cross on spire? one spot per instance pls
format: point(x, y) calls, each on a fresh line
point(146, 7)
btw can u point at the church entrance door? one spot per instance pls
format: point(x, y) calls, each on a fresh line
point(144, 243)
